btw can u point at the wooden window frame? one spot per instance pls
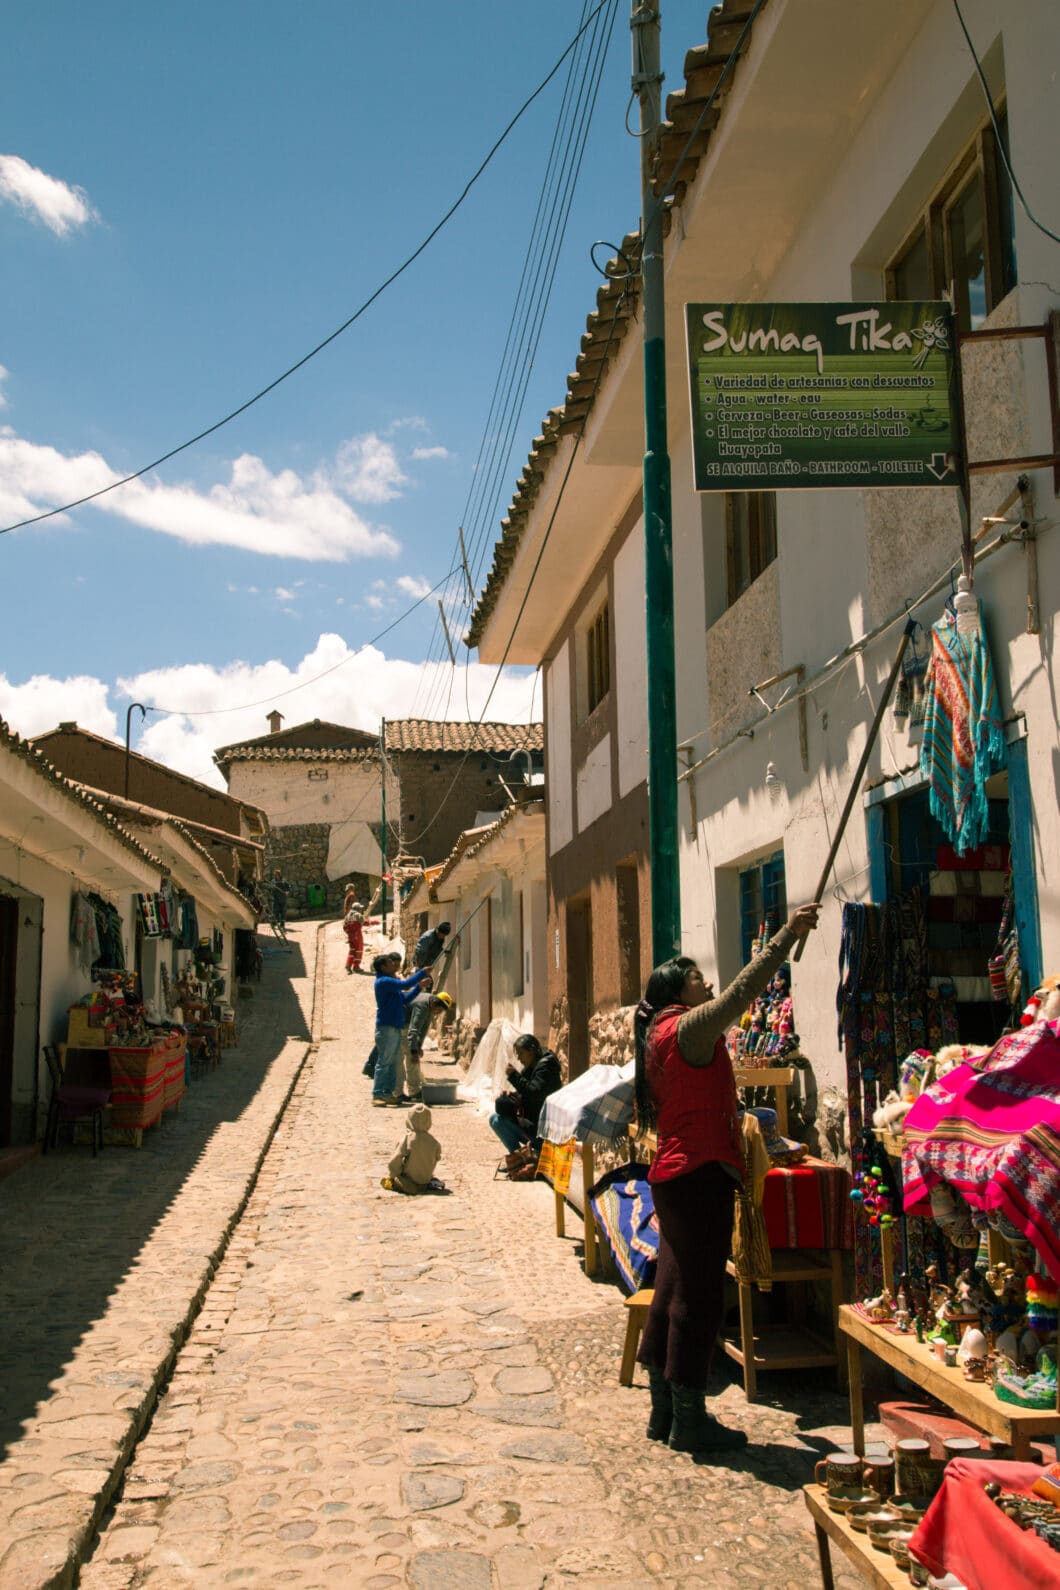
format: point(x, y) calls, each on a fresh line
point(598, 659)
point(979, 162)
point(761, 539)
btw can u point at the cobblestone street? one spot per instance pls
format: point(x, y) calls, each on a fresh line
point(377, 1391)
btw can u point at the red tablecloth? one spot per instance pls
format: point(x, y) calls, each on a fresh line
point(808, 1206)
point(963, 1533)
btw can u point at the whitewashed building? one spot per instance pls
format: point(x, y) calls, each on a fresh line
point(850, 156)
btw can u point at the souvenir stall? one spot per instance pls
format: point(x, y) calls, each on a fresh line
point(144, 1059)
point(975, 1159)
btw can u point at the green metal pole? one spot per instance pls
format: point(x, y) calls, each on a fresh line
point(658, 537)
point(382, 838)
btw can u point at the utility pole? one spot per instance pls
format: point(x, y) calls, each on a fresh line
point(658, 537)
point(382, 839)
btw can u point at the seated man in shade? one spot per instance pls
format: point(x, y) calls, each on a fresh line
point(535, 1075)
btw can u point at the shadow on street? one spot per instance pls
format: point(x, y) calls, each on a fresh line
point(72, 1227)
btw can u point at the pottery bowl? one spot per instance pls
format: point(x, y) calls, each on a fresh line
point(882, 1531)
point(861, 1513)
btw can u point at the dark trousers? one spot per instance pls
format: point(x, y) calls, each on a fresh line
point(695, 1235)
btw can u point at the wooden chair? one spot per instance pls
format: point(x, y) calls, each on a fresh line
point(637, 1308)
point(72, 1102)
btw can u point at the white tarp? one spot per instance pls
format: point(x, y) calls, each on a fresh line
point(486, 1074)
point(352, 847)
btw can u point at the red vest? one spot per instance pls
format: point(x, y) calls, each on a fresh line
point(696, 1106)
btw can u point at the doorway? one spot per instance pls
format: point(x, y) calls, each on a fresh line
point(579, 984)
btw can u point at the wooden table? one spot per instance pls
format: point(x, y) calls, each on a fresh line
point(779, 1078)
point(793, 1345)
point(971, 1400)
point(878, 1568)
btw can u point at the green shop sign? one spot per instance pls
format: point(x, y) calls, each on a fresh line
point(792, 395)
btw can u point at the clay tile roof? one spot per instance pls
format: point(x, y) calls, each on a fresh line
point(292, 753)
point(472, 840)
point(425, 734)
point(36, 759)
point(617, 299)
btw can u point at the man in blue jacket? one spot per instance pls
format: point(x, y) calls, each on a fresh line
point(393, 994)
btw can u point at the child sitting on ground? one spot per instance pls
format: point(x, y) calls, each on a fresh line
point(412, 1167)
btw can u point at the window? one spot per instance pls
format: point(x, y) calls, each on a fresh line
point(763, 900)
point(750, 537)
point(598, 658)
point(964, 238)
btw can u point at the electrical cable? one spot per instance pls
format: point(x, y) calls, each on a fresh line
point(279, 695)
point(726, 70)
point(530, 584)
point(319, 348)
point(1002, 151)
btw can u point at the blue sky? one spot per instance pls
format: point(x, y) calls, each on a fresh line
point(190, 198)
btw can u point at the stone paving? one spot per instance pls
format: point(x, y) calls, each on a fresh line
point(388, 1392)
point(104, 1261)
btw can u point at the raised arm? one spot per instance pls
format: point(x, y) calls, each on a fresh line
point(700, 1028)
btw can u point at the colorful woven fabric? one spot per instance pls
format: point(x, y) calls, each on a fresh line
point(624, 1209)
point(990, 1131)
point(964, 741)
point(554, 1163)
point(596, 1107)
point(808, 1206)
point(751, 1255)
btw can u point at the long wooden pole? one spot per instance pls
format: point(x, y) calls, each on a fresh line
point(855, 784)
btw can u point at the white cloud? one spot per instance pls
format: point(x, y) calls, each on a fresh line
point(3, 377)
point(58, 205)
point(413, 585)
point(282, 594)
point(375, 603)
point(420, 453)
point(366, 687)
point(367, 469)
point(276, 515)
point(42, 702)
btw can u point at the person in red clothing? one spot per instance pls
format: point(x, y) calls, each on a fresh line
point(353, 927)
point(686, 1092)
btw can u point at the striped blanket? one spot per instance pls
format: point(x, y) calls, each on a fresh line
point(990, 1131)
point(964, 741)
point(625, 1218)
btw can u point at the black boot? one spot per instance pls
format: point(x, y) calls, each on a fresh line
point(694, 1430)
point(662, 1407)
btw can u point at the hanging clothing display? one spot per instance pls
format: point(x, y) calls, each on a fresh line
point(964, 740)
point(187, 934)
point(83, 931)
point(150, 917)
point(111, 955)
point(885, 1011)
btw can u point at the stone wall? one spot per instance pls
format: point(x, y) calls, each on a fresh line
point(301, 853)
point(461, 1038)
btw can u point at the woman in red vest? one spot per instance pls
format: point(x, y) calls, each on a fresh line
point(686, 1092)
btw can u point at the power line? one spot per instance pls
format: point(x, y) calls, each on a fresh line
point(1006, 162)
point(279, 695)
point(271, 387)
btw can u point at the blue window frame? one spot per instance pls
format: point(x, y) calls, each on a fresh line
point(763, 899)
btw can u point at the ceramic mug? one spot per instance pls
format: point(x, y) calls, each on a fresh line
point(879, 1476)
point(916, 1471)
point(842, 1473)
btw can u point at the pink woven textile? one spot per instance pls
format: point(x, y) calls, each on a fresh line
point(990, 1130)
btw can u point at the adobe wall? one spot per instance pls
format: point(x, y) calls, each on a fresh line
point(102, 765)
point(301, 853)
point(425, 777)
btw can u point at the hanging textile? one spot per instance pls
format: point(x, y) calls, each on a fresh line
point(150, 917)
point(187, 934)
point(83, 931)
point(990, 1131)
point(751, 1256)
point(885, 1010)
point(111, 955)
point(964, 741)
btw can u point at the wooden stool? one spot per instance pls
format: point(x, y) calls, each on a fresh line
point(794, 1345)
point(637, 1308)
point(229, 1035)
